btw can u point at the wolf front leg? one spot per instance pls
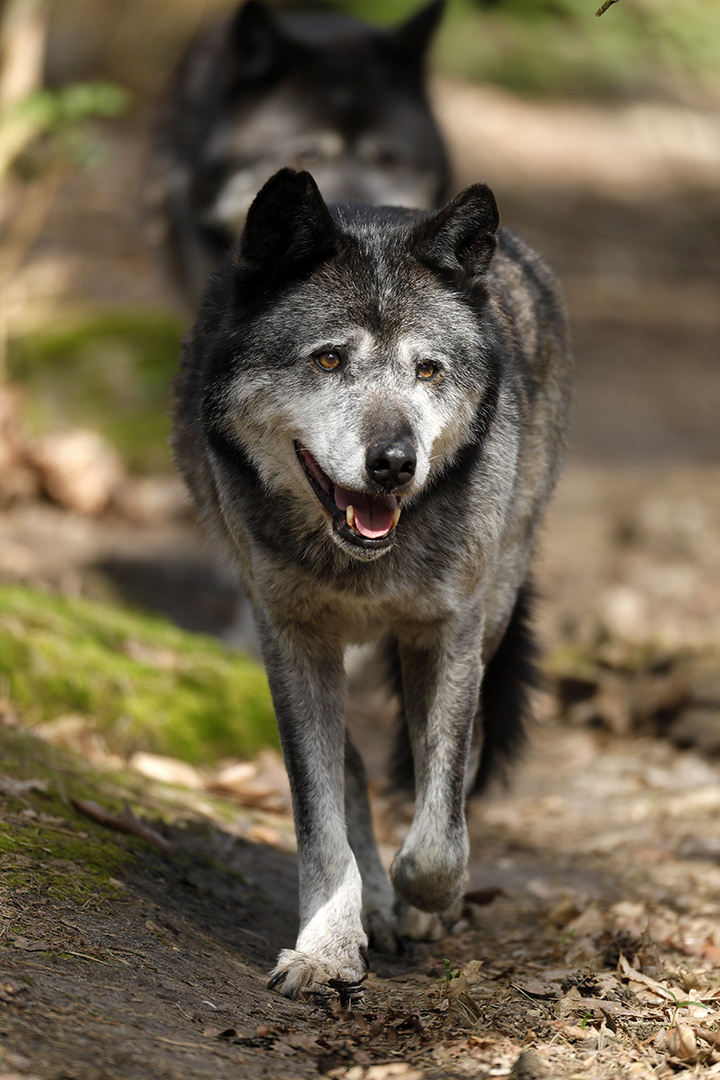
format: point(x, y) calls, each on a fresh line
point(378, 896)
point(308, 694)
point(441, 687)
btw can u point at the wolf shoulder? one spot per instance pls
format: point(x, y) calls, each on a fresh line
point(529, 296)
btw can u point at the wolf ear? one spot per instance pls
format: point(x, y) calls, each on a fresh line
point(413, 37)
point(258, 44)
point(462, 237)
point(288, 227)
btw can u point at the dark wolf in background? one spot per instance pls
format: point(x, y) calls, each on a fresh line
point(268, 88)
point(371, 414)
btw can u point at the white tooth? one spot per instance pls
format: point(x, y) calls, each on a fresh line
point(350, 517)
point(396, 516)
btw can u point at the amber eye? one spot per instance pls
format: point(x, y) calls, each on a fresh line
point(328, 361)
point(426, 369)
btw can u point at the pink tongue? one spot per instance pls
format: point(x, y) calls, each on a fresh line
point(373, 513)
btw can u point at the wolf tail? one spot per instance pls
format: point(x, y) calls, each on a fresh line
point(505, 693)
point(509, 678)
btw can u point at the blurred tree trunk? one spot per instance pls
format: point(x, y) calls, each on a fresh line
point(23, 33)
point(23, 36)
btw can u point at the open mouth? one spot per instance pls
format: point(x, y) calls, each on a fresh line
point(364, 519)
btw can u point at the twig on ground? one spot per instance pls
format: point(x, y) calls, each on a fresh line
point(125, 823)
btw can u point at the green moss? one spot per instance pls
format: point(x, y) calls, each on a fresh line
point(145, 683)
point(111, 372)
point(46, 849)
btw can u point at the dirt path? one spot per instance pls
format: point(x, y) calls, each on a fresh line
point(120, 960)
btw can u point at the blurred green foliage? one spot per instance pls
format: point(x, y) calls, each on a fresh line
point(559, 47)
point(55, 125)
point(111, 372)
point(144, 683)
point(54, 110)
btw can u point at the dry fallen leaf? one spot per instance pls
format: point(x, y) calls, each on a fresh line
point(262, 783)
point(711, 1037)
point(462, 1009)
point(167, 769)
point(296, 1041)
point(569, 1003)
point(681, 1042)
point(646, 988)
point(78, 469)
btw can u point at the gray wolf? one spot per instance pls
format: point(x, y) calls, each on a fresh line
point(371, 413)
point(263, 89)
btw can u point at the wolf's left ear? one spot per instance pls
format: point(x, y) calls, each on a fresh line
point(413, 37)
point(288, 227)
point(462, 237)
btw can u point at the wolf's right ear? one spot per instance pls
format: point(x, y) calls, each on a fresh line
point(461, 238)
point(288, 228)
point(258, 44)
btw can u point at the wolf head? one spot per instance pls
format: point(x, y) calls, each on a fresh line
point(322, 92)
point(331, 95)
point(354, 363)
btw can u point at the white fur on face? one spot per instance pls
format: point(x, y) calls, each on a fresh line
point(279, 134)
point(337, 415)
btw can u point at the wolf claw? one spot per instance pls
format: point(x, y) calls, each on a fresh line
point(299, 975)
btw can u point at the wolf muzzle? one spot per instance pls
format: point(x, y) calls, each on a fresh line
point(391, 465)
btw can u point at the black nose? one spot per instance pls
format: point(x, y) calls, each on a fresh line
point(391, 464)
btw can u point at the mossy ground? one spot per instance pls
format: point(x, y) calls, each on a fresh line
point(46, 850)
point(143, 683)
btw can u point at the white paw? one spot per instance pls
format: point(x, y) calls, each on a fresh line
point(428, 876)
point(299, 975)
